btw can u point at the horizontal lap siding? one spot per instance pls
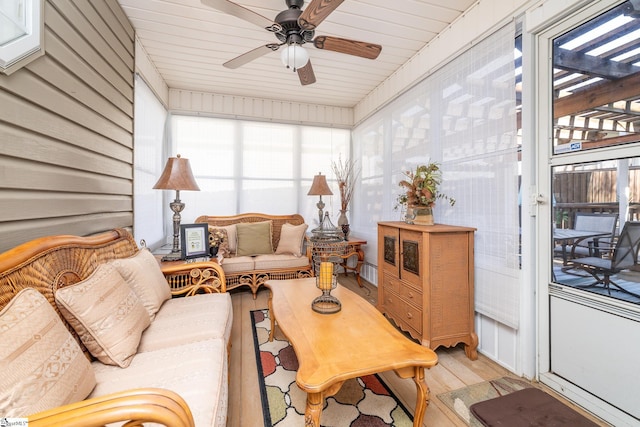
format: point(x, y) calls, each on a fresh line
point(66, 127)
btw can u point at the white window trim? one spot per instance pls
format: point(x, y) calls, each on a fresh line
point(24, 49)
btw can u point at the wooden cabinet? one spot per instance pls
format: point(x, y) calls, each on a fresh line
point(425, 282)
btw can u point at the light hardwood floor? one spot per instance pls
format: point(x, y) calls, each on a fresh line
point(453, 371)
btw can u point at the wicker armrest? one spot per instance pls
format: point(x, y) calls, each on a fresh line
point(138, 405)
point(187, 279)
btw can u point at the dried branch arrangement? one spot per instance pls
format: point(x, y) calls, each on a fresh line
point(346, 174)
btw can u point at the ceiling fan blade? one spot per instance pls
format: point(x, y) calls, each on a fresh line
point(350, 47)
point(316, 12)
point(306, 74)
point(247, 57)
point(243, 13)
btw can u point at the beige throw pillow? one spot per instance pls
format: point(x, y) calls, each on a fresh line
point(41, 364)
point(254, 238)
point(106, 313)
point(291, 239)
point(142, 272)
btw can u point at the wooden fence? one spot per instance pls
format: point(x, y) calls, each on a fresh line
point(592, 191)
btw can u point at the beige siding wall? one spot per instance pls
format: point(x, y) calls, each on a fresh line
point(66, 127)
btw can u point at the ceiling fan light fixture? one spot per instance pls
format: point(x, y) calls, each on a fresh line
point(294, 56)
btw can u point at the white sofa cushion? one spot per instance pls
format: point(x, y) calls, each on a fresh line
point(106, 313)
point(268, 262)
point(142, 272)
point(197, 372)
point(41, 364)
point(207, 316)
point(237, 264)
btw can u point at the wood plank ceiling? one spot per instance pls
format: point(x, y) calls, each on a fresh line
point(189, 41)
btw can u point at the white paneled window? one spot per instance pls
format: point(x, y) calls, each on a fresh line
point(246, 166)
point(149, 160)
point(464, 117)
point(21, 32)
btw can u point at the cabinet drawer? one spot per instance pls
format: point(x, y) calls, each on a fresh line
point(413, 295)
point(402, 312)
point(411, 315)
point(391, 283)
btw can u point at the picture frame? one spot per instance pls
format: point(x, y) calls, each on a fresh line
point(194, 240)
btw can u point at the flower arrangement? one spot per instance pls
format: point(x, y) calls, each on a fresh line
point(421, 187)
point(346, 175)
point(216, 237)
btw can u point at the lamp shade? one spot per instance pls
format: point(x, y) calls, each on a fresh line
point(294, 56)
point(319, 186)
point(177, 175)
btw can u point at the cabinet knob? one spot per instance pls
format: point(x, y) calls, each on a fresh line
point(410, 295)
point(409, 316)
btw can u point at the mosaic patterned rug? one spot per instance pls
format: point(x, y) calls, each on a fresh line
point(364, 401)
point(460, 400)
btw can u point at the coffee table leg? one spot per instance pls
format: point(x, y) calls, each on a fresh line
point(423, 396)
point(313, 410)
point(272, 317)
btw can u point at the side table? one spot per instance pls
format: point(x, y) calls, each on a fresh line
point(187, 278)
point(353, 249)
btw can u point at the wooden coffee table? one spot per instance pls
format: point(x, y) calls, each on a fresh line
point(332, 348)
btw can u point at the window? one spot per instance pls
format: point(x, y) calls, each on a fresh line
point(249, 166)
point(149, 135)
point(21, 32)
point(596, 69)
point(463, 116)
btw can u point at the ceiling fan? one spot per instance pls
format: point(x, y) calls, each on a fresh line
point(294, 27)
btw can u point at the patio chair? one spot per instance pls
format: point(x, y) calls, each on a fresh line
point(595, 246)
point(625, 256)
point(590, 246)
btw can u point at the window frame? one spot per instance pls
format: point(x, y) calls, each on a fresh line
point(23, 49)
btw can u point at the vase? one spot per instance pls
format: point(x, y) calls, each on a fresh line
point(423, 215)
point(409, 216)
point(343, 223)
point(213, 251)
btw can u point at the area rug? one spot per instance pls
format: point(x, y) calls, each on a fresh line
point(460, 400)
point(527, 408)
point(363, 401)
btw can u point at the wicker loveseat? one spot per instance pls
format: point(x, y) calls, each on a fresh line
point(254, 271)
point(175, 371)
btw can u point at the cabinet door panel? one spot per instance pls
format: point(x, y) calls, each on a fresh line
point(388, 238)
point(411, 254)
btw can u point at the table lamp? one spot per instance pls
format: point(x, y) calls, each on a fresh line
point(177, 176)
point(319, 187)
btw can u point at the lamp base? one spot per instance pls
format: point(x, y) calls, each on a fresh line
point(173, 256)
point(326, 303)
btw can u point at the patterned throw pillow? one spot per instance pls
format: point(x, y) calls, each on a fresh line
point(41, 364)
point(232, 237)
point(106, 313)
point(220, 234)
point(142, 272)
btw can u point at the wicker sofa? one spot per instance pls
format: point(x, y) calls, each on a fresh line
point(254, 271)
point(118, 358)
